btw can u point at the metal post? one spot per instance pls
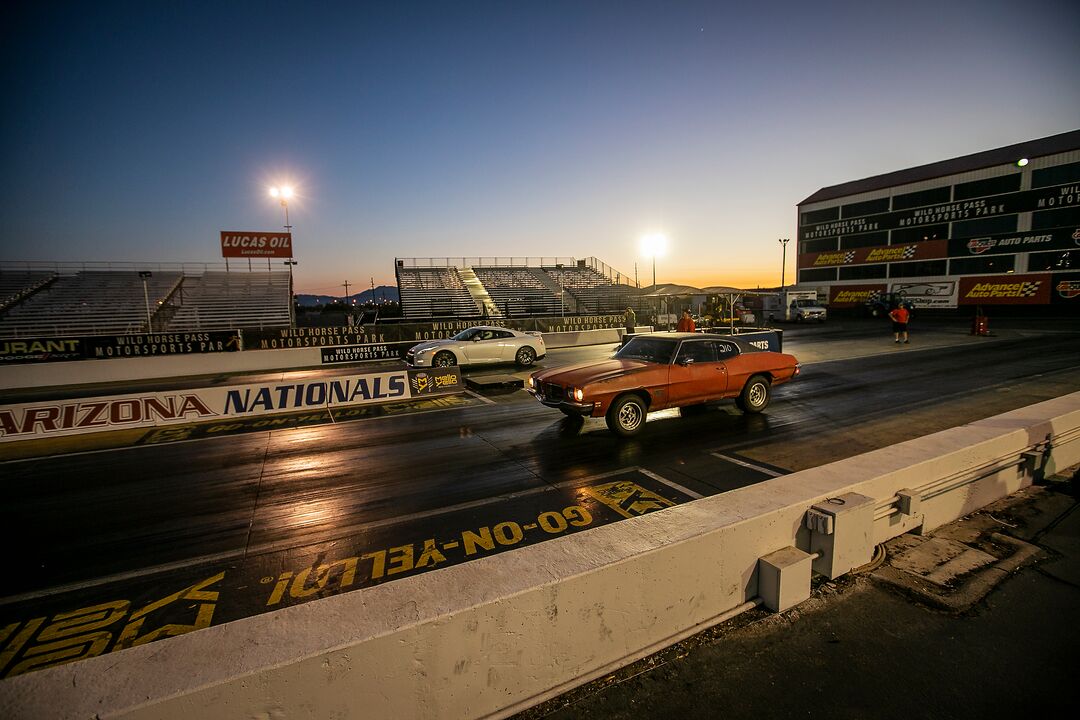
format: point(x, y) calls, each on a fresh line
point(783, 261)
point(145, 274)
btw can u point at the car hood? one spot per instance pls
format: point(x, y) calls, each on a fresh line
point(593, 372)
point(431, 345)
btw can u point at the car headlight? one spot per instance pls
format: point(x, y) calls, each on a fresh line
point(579, 394)
point(532, 382)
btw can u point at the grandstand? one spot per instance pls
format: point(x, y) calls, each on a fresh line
point(511, 287)
point(226, 300)
point(74, 299)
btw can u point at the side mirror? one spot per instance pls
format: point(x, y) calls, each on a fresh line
point(686, 361)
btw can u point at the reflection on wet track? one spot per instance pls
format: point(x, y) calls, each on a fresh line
point(167, 536)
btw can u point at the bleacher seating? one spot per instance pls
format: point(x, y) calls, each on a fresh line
point(517, 291)
point(88, 303)
point(226, 300)
point(596, 293)
point(428, 292)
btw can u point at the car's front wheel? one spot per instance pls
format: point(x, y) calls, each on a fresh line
point(626, 416)
point(525, 357)
point(755, 395)
point(444, 359)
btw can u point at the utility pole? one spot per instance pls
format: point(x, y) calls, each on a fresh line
point(783, 261)
point(346, 286)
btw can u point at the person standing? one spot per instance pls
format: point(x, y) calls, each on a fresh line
point(630, 320)
point(900, 317)
point(686, 323)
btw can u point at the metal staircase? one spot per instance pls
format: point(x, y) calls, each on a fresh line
point(569, 302)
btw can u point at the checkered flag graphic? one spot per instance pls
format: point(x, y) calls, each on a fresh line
point(849, 256)
point(1029, 289)
point(909, 252)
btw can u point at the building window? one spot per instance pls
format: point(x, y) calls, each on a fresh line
point(977, 265)
point(874, 239)
point(903, 236)
point(822, 245)
point(1058, 175)
point(984, 226)
point(1055, 260)
point(922, 198)
point(1069, 216)
point(817, 274)
point(862, 272)
point(917, 269)
point(819, 216)
point(870, 207)
point(990, 186)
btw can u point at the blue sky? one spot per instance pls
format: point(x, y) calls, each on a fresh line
point(137, 131)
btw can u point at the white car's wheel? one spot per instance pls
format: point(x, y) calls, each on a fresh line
point(525, 357)
point(444, 359)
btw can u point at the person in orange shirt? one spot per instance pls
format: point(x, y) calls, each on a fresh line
point(899, 317)
point(686, 323)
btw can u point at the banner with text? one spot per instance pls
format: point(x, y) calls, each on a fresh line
point(1005, 290)
point(254, 244)
point(154, 409)
point(103, 347)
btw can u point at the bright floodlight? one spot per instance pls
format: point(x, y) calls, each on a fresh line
point(274, 192)
point(1022, 162)
point(286, 191)
point(653, 245)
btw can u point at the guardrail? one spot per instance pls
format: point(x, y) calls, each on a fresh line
point(499, 634)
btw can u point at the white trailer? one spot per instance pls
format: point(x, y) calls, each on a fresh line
point(794, 306)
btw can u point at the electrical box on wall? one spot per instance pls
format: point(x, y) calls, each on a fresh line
point(841, 533)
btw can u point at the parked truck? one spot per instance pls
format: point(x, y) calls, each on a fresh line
point(794, 306)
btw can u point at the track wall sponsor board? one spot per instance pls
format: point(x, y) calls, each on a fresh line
point(255, 244)
point(103, 347)
point(926, 250)
point(941, 294)
point(1060, 239)
point(120, 412)
point(1005, 290)
point(1066, 290)
point(257, 339)
point(360, 353)
point(843, 296)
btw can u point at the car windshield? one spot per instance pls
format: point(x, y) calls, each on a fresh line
point(650, 349)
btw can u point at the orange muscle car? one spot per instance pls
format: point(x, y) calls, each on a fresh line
point(655, 371)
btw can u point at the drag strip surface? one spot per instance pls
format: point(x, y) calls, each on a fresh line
point(154, 540)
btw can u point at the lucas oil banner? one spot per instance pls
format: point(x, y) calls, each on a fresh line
point(120, 412)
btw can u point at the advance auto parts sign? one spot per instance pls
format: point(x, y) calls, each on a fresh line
point(120, 412)
point(1005, 290)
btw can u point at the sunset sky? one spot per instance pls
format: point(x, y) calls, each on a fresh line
point(138, 131)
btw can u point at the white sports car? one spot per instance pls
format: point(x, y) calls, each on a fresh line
point(479, 345)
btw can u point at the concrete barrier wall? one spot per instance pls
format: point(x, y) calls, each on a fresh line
point(493, 636)
point(88, 372)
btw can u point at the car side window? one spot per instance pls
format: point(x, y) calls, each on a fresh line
point(698, 351)
point(486, 335)
point(503, 334)
point(726, 350)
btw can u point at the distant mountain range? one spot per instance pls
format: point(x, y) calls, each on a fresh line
point(381, 293)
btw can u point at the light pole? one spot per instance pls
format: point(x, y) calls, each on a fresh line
point(283, 193)
point(292, 298)
point(146, 275)
point(653, 245)
point(783, 262)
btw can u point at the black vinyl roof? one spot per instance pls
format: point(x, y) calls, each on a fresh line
point(988, 158)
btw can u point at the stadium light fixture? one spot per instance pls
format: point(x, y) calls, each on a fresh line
point(1021, 162)
point(283, 193)
point(652, 245)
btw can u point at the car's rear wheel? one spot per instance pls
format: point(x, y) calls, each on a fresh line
point(755, 395)
point(444, 359)
point(525, 357)
point(626, 416)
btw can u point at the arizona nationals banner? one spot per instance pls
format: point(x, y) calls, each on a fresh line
point(120, 412)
